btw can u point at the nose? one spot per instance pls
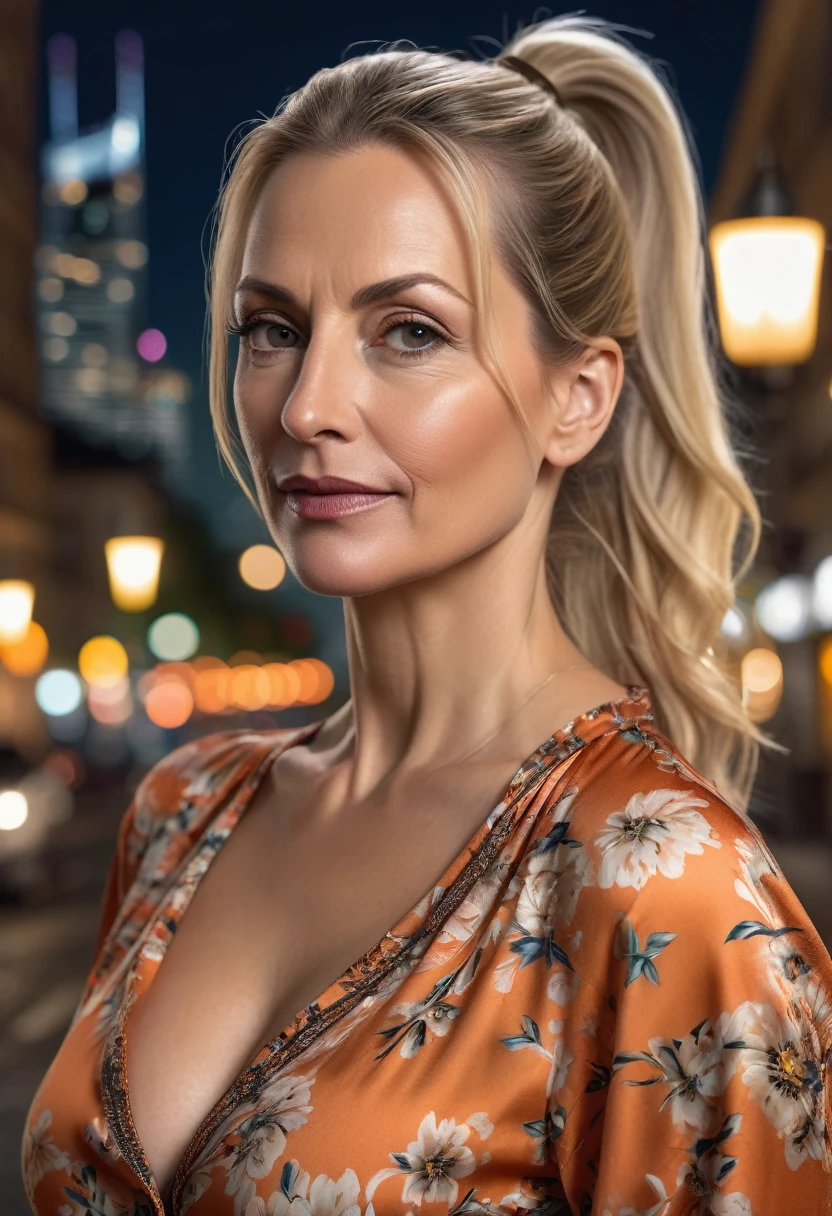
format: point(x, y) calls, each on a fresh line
point(324, 401)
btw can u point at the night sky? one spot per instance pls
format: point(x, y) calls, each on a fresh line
point(210, 67)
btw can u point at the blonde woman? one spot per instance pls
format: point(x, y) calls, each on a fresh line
point(497, 935)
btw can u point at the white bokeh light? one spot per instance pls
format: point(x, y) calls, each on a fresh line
point(784, 608)
point(14, 809)
point(822, 593)
point(58, 692)
point(173, 636)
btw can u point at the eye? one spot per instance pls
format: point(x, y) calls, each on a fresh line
point(268, 335)
point(414, 329)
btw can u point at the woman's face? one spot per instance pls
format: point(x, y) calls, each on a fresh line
point(387, 389)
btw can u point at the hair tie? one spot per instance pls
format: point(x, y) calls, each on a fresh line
point(531, 73)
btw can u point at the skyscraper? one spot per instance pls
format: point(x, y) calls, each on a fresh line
point(101, 368)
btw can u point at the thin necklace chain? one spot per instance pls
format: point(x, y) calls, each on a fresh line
point(522, 705)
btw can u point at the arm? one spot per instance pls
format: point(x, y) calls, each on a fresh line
point(716, 1098)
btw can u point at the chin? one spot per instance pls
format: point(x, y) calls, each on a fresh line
point(345, 574)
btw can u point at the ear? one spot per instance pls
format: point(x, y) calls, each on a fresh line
point(583, 395)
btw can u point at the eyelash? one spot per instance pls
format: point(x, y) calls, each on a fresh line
point(244, 330)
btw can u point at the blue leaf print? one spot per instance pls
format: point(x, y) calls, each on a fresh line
point(532, 948)
point(601, 1079)
point(729, 1127)
point(753, 928)
point(529, 1038)
point(558, 835)
point(640, 961)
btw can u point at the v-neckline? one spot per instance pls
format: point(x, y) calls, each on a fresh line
point(474, 857)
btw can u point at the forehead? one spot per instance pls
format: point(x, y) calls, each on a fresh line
point(375, 211)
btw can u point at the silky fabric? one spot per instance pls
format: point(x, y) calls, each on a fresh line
point(610, 1002)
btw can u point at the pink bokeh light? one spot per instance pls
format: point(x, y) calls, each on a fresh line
point(151, 345)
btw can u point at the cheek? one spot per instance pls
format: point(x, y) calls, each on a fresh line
point(257, 408)
point(465, 446)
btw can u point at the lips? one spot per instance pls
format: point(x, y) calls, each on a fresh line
point(327, 485)
point(332, 506)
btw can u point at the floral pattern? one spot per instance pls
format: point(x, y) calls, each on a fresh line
point(611, 1002)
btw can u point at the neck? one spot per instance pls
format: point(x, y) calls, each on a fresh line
point(438, 664)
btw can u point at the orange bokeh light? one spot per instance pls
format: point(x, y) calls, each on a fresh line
point(249, 686)
point(26, 657)
point(169, 703)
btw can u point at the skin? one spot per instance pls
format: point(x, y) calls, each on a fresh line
point(449, 626)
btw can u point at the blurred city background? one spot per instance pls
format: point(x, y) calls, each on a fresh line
point(142, 601)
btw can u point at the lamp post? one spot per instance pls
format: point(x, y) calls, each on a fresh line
point(767, 265)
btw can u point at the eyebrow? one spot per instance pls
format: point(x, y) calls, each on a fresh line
point(373, 293)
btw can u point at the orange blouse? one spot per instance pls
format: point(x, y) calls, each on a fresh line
point(611, 1002)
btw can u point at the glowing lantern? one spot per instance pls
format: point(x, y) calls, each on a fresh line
point(767, 274)
point(133, 564)
point(16, 600)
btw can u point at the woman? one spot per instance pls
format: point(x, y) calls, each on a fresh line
point(475, 292)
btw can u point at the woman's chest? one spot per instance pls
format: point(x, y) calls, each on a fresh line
point(274, 921)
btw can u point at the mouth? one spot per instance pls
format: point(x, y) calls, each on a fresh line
point(308, 504)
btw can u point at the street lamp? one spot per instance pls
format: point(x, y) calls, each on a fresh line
point(16, 599)
point(133, 564)
point(767, 273)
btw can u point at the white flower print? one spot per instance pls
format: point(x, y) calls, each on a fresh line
point(562, 986)
point(701, 1179)
point(754, 861)
point(324, 1197)
point(783, 1063)
point(708, 1174)
point(432, 1163)
point(695, 1068)
point(657, 1209)
point(552, 882)
point(561, 1059)
point(655, 832)
point(282, 1107)
point(98, 1134)
point(41, 1153)
point(789, 963)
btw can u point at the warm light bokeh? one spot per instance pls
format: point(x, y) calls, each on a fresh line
point(17, 597)
point(133, 564)
point(169, 703)
point(767, 272)
point(762, 683)
point(262, 567)
point(28, 656)
point(103, 661)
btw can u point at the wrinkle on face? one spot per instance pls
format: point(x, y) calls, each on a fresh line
point(438, 431)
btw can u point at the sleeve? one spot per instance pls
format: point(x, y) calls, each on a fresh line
point(124, 864)
point(160, 790)
point(706, 1090)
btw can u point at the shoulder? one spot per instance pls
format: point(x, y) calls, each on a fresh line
point(662, 856)
point(649, 815)
point(180, 793)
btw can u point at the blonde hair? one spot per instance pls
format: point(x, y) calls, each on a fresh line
point(596, 212)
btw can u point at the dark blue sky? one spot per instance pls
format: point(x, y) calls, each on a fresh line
point(212, 66)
